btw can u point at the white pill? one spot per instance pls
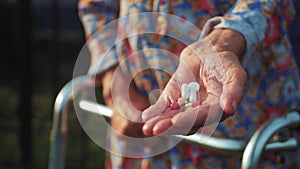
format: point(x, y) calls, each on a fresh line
point(194, 87)
point(193, 96)
point(185, 91)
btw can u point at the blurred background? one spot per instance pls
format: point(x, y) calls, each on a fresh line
point(40, 42)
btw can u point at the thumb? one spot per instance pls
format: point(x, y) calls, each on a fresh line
point(170, 94)
point(155, 109)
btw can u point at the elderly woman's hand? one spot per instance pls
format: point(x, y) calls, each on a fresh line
point(212, 62)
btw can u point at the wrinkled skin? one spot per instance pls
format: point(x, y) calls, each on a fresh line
point(222, 79)
point(218, 71)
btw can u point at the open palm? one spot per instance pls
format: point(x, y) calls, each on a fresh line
point(221, 78)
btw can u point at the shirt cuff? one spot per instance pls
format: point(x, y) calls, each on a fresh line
point(252, 29)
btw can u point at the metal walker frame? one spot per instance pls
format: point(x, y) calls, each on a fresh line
point(252, 149)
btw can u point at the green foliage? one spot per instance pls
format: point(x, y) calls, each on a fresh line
point(41, 123)
point(9, 151)
point(81, 151)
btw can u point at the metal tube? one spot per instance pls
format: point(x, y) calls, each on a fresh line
point(260, 138)
point(218, 144)
point(257, 144)
point(58, 133)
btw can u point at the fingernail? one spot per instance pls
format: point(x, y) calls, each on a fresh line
point(147, 130)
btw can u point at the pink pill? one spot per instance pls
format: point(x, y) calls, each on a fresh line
point(196, 103)
point(174, 106)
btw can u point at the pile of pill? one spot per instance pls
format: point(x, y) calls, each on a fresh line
point(188, 96)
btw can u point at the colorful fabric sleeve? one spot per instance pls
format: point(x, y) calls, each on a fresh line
point(259, 21)
point(95, 15)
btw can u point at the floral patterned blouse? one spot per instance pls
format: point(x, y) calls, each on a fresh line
point(273, 86)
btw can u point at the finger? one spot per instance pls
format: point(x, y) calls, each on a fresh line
point(162, 126)
point(185, 122)
point(168, 96)
point(191, 117)
point(194, 118)
point(233, 93)
point(171, 93)
point(148, 127)
point(172, 90)
point(233, 88)
point(189, 121)
point(155, 110)
point(165, 126)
